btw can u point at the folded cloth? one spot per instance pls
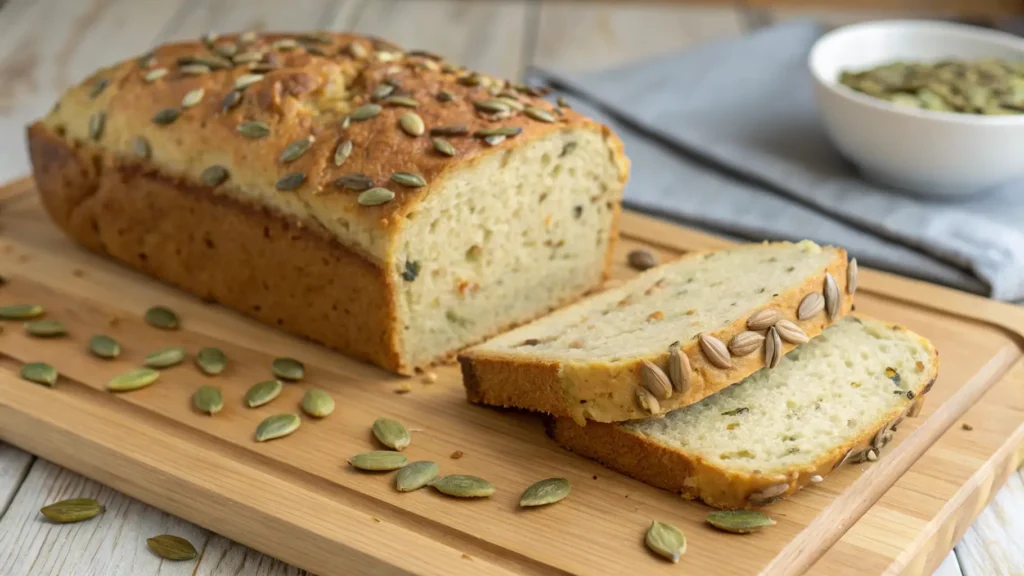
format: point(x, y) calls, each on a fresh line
point(728, 136)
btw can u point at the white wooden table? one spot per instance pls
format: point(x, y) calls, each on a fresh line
point(47, 44)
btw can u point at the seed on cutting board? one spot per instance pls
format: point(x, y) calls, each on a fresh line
point(97, 121)
point(208, 399)
point(641, 259)
point(133, 380)
point(391, 433)
point(174, 548)
point(262, 393)
point(104, 346)
point(811, 305)
point(40, 373)
point(317, 403)
point(739, 521)
point(375, 197)
point(666, 541)
point(165, 358)
point(72, 510)
point(545, 492)
point(211, 361)
point(378, 461)
point(21, 311)
point(288, 369)
point(277, 426)
point(463, 486)
point(162, 317)
point(416, 475)
point(769, 494)
point(45, 328)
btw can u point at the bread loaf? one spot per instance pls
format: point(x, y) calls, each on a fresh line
point(383, 202)
point(607, 358)
point(838, 398)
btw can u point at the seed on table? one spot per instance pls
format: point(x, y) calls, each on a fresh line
point(641, 260)
point(172, 548)
point(463, 486)
point(162, 317)
point(415, 475)
point(317, 403)
point(378, 461)
point(277, 426)
point(211, 361)
point(40, 373)
point(208, 399)
point(45, 328)
point(21, 311)
point(262, 393)
point(72, 510)
point(103, 346)
point(288, 369)
point(165, 358)
point(545, 492)
point(391, 433)
point(133, 380)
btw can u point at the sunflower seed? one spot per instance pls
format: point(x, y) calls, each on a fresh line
point(739, 521)
point(20, 311)
point(790, 332)
point(833, 300)
point(254, 129)
point(365, 112)
point(445, 96)
point(539, 114)
point(277, 426)
point(194, 69)
point(172, 548)
point(391, 433)
point(288, 369)
point(444, 147)
point(214, 175)
point(772, 348)
point(745, 343)
point(506, 131)
point(378, 461)
point(810, 306)
point(403, 101)
point(355, 181)
point(162, 317)
point(654, 380)
point(133, 380)
point(155, 74)
point(246, 80)
point(567, 149)
point(647, 401)
point(763, 319)
point(166, 116)
point(375, 197)
point(40, 373)
point(140, 146)
point(165, 358)
point(342, 152)
point(408, 179)
point(412, 124)
point(463, 486)
point(193, 97)
point(679, 369)
point(641, 259)
point(211, 361)
point(296, 149)
point(290, 181)
point(45, 328)
point(262, 393)
point(715, 351)
point(103, 346)
point(851, 277)
point(666, 541)
point(98, 87)
point(545, 492)
point(208, 399)
point(97, 121)
point(73, 510)
point(454, 130)
point(769, 494)
point(416, 475)
point(317, 403)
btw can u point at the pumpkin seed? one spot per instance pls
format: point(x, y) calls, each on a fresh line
point(715, 351)
point(98, 87)
point(539, 114)
point(444, 147)
point(262, 393)
point(382, 91)
point(226, 49)
point(21, 311)
point(354, 181)
point(254, 129)
point(277, 426)
point(45, 328)
point(491, 106)
point(248, 57)
point(365, 112)
point(772, 348)
point(391, 433)
point(192, 98)
point(463, 486)
point(290, 181)
point(851, 277)
point(739, 521)
point(342, 152)
point(73, 510)
point(248, 37)
point(296, 149)
point(232, 99)
point(403, 101)
point(357, 50)
point(666, 541)
point(316, 37)
point(411, 271)
point(412, 124)
point(97, 121)
point(208, 399)
point(288, 369)
point(408, 179)
point(763, 319)
point(416, 475)
point(166, 116)
point(194, 69)
point(133, 380)
point(655, 380)
point(506, 131)
point(375, 197)
point(378, 461)
point(155, 74)
point(545, 492)
point(140, 146)
point(445, 96)
point(165, 358)
point(104, 346)
point(284, 44)
point(246, 80)
point(214, 175)
point(641, 260)
point(162, 317)
point(833, 300)
point(494, 140)
point(679, 369)
point(790, 332)
point(174, 548)
point(211, 361)
point(317, 403)
point(455, 130)
point(40, 373)
point(745, 343)
point(810, 306)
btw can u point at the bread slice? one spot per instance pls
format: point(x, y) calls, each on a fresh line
point(585, 362)
point(835, 399)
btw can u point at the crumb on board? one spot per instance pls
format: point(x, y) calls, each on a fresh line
point(430, 378)
point(967, 426)
point(403, 388)
point(456, 455)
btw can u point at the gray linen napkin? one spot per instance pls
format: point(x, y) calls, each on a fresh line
point(727, 136)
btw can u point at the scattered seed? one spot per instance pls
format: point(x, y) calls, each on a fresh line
point(416, 475)
point(545, 492)
point(166, 116)
point(288, 369)
point(133, 380)
point(341, 153)
point(98, 87)
point(140, 146)
point(73, 510)
point(817, 478)
point(21, 311)
point(40, 373)
point(391, 433)
point(444, 147)
point(214, 175)
point(412, 124)
point(262, 393)
point(641, 260)
point(162, 317)
point(172, 548)
point(155, 74)
point(539, 114)
point(403, 101)
point(966, 426)
point(246, 80)
point(103, 346)
point(290, 181)
point(97, 121)
point(45, 328)
point(296, 149)
point(231, 100)
point(666, 541)
point(211, 361)
point(454, 130)
point(165, 358)
point(208, 399)
point(408, 179)
point(365, 112)
point(739, 521)
point(254, 129)
point(277, 426)
point(375, 197)
point(355, 181)
point(463, 486)
point(378, 461)
point(317, 403)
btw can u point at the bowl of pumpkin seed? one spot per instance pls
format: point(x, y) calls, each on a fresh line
point(929, 107)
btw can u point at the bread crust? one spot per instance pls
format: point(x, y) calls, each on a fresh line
point(605, 392)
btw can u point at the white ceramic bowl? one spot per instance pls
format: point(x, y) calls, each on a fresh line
point(929, 153)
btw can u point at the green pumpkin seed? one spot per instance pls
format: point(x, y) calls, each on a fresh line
point(97, 121)
point(317, 403)
point(416, 475)
point(378, 461)
point(505, 131)
point(491, 106)
point(739, 521)
point(317, 37)
point(208, 399)
point(192, 98)
point(357, 50)
point(277, 426)
point(232, 99)
point(98, 87)
point(21, 311)
point(246, 80)
point(165, 358)
point(103, 346)
point(288, 369)
point(40, 373)
point(408, 179)
point(214, 175)
point(444, 147)
point(455, 130)
point(140, 146)
point(511, 102)
point(494, 140)
point(262, 393)
point(284, 45)
point(342, 152)
point(155, 74)
point(290, 181)
point(294, 150)
point(545, 492)
point(539, 114)
point(45, 328)
point(254, 129)
point(73, 510)
point(249, 57)
point(365, 112)
point(375, 197)
point(403, 101)
point(355, 181)
point(172, 548)
point(391, 433)
point(412, 124)
point(445, 96)
point(227, 49)
point(194, 69)
point(133, 380)
point(166, 116)
point(463, 486)
point(666, 541)
point(211, 361)
point(162, 317)
point(382, 91)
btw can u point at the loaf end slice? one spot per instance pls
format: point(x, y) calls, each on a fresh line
point(586, 362)
point(837, 399)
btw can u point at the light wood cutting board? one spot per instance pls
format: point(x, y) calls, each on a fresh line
point(296, 499)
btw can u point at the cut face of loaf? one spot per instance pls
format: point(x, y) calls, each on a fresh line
point(835, 399)
point(608, 358)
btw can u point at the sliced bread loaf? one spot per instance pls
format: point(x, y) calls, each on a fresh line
point(835, 399)
point(667, 338)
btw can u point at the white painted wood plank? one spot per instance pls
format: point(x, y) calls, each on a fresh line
point(223, 557)
point(994, 544)
point(949, 566)
point(229, 16)
point(14, 466)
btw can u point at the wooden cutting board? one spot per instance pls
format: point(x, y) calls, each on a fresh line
point(296, 498)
